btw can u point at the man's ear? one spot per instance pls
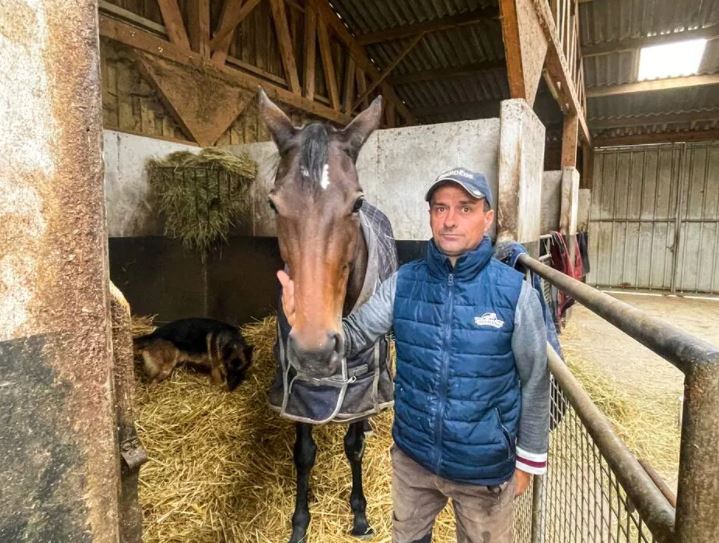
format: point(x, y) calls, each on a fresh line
point(278, 123)
point(488, 220)
point(355, 134)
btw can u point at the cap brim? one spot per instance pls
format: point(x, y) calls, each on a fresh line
point(474, 193)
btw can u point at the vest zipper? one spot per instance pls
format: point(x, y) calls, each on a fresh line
point(442, 392)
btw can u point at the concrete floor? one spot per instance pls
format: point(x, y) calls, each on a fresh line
point(649, 384)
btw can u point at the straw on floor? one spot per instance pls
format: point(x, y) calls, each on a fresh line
point(221, 470)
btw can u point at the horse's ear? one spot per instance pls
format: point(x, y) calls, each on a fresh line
point(356, 133)
point(279, 124)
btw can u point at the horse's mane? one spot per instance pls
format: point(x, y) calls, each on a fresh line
point(314, 141)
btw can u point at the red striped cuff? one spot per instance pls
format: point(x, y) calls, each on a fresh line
point(529, 462)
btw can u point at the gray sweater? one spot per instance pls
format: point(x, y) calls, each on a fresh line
point(529, 346)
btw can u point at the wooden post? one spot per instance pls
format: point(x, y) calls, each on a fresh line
point(284, 40)
point(570, 133)
point(310, 56)
point(174, 25)
point(198, 26)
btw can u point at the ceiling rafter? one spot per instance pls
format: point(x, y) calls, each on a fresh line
point(453, 72)
point(654, 85)
point(445, 23)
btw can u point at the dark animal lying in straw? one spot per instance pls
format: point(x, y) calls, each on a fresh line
point(206, 344)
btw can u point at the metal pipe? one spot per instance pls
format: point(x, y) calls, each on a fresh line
point(653, 507)
point(538, 509)
point(661, 483)
point(673, 344)
point(698, 499)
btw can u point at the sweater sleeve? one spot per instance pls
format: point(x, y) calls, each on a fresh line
point(371, 320)
point(529, 345)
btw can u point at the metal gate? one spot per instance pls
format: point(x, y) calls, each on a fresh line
point(654, 218)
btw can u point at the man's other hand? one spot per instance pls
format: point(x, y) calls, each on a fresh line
point(288, 296)
point(521, 482)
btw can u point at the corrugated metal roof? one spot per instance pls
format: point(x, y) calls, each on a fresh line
point(606, 22)
point(453, 48)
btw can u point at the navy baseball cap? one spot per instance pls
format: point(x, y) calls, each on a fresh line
point(473, 182)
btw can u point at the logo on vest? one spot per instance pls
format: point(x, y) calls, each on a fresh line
point(489, 319)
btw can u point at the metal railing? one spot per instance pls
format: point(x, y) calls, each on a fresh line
point(595, 490)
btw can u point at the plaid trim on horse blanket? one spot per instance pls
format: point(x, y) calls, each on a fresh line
point(363, 387)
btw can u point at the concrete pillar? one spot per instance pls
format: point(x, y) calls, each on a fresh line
point(585, 200)
point(521, 159)
point(59, 469)
point(570, 201)
point(551, 200)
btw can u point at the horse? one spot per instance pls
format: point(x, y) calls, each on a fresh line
point(324, 244)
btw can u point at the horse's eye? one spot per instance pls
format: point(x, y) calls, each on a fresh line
point(358, 204)
point(272, 205)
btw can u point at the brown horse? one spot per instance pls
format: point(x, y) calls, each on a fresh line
point(317, 198)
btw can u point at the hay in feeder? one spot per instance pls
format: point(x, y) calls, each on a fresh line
point(220, 464)
point(201, 196)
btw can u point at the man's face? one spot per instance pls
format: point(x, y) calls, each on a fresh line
point(458, 220)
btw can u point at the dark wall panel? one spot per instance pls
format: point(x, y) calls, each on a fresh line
point(236, 283)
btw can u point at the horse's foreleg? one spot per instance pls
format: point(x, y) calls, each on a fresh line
point(354, 449)
point(305, 452)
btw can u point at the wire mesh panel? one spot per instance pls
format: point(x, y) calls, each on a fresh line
point(581, 499)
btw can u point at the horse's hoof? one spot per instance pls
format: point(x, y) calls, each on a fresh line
point(362, 533)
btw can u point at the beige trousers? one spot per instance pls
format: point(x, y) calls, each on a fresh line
point(483, 514)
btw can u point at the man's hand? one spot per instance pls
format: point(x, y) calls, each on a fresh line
point(288, 296)
point(521, 482)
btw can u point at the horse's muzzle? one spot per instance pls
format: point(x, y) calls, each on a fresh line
point(318, 361)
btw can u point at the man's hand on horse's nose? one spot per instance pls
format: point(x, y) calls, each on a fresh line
point(288, 296)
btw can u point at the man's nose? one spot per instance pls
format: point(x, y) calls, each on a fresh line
point(450, 221)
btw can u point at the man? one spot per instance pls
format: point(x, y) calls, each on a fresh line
point(472, 388)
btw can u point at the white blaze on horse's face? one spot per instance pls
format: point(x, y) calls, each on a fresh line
point(316, 198)
point(325, 179)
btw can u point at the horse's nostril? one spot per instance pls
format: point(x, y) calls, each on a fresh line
point(337, 343)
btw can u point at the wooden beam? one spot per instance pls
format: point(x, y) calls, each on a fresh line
point(570, 133)
point(231, 23)
point(362, 85)
point(659, 137)
point(358, 52)
point(444, 23)
point(348, 92)
point(328, 64)
point(654, 85)
point(310, 55)
point(455, 72)
point(284, 40)
point(558, 68)
point(134, 37)
point(131, 16)
point(512, 48)
point(388, 70)
point(710, 32)
point(390, 115)
point(474, 110)
point(654, 118)
point(174, 24)
point(230, 11)
point(585, 181)
point(198, 23)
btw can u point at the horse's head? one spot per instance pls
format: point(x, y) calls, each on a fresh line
point(317, 197)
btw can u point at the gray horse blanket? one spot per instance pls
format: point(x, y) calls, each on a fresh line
point(363, 385)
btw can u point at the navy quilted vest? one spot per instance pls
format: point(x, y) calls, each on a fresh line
point(457, 395)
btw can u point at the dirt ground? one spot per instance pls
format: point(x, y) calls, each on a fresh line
point(646, 383)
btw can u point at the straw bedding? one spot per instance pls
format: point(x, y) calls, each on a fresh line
point(221, 469)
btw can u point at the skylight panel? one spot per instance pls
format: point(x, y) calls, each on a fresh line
point(671, 59)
